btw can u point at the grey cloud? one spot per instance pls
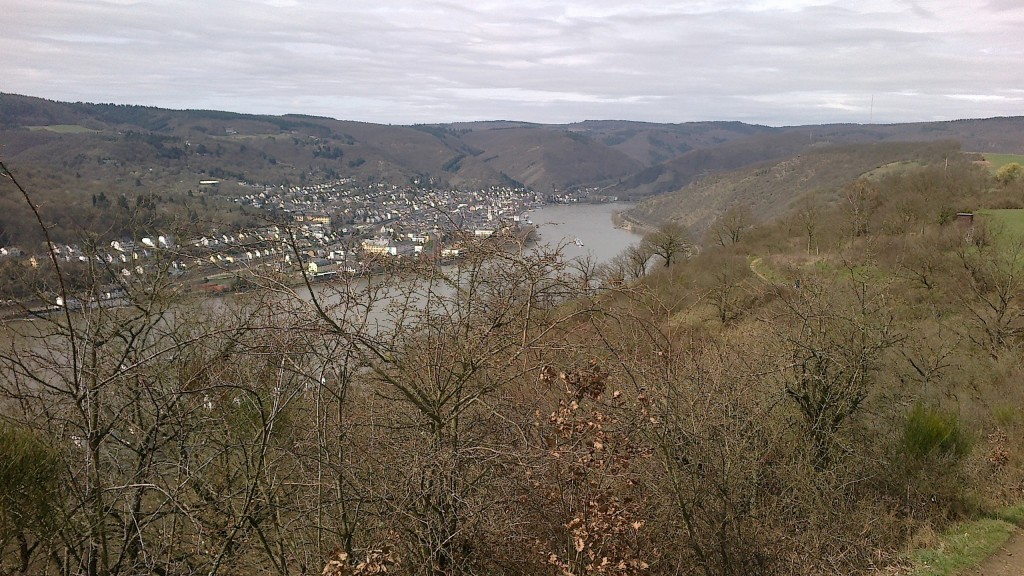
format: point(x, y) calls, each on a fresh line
point(771, 61)
point(1005, 5)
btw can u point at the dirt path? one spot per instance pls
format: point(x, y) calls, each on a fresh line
point(754, 264)
point(1007, 561)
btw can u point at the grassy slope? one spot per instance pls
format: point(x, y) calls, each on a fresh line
point(1010, 221)
point(893, 259)
point(997, 161)
point(64, 128)
point(891, 168)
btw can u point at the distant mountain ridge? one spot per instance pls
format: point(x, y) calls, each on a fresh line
point(83, 148)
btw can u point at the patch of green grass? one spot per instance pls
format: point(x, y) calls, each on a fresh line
point(963, 546)
point(1006, 416)
point(763, 271)
point(1012, 514)
point(1009, 221)
point(997, 161)
point(868, 273)
point(64, 129)
point(824, 265)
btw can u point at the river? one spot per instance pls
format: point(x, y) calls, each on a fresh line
point(591, 223)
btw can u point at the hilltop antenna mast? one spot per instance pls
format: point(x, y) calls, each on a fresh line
point(871, 115)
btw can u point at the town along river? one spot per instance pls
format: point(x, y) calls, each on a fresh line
point(557, 225)
point(582, 230)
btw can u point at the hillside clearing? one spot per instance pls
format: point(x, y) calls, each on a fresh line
point(891, 168)
point(997, 161)
point(1010, 220)
point(64, 129)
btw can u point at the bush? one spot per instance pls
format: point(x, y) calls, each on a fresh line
point(29, 482)
point(930, 432)
point(931, 475)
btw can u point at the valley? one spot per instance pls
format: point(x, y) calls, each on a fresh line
point(506, 348)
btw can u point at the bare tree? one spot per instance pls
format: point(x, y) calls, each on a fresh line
point(991, 292)
point(727, 290)
point(730, 227)
point(834, 337)
point(167, 440)
point(807, 217)
point(669, 242)
point(630, 264)
point(861, 200)
point(637, 258)
point(444, 364)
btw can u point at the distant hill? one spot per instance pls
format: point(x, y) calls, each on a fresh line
point(700, 162)
point(653, 144)
point(292, 149)
point(71, 152)
point(543, 158)
point(989, 135)
point(981, 135)
point(769, 189)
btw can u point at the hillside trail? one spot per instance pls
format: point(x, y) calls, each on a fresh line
point(754, 265)
point(1007, 561)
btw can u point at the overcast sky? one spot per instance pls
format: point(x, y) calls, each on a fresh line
point(775, 62)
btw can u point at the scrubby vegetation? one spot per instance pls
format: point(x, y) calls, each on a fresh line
point(810, 395)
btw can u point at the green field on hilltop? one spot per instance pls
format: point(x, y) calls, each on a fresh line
point(997, 161)
point(64, 129)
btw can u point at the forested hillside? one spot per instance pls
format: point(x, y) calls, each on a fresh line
point(769, 190)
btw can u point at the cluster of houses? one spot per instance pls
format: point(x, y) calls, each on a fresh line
point(326, 229)
point(340, 226)
point(126, 257)
point(363, 210)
